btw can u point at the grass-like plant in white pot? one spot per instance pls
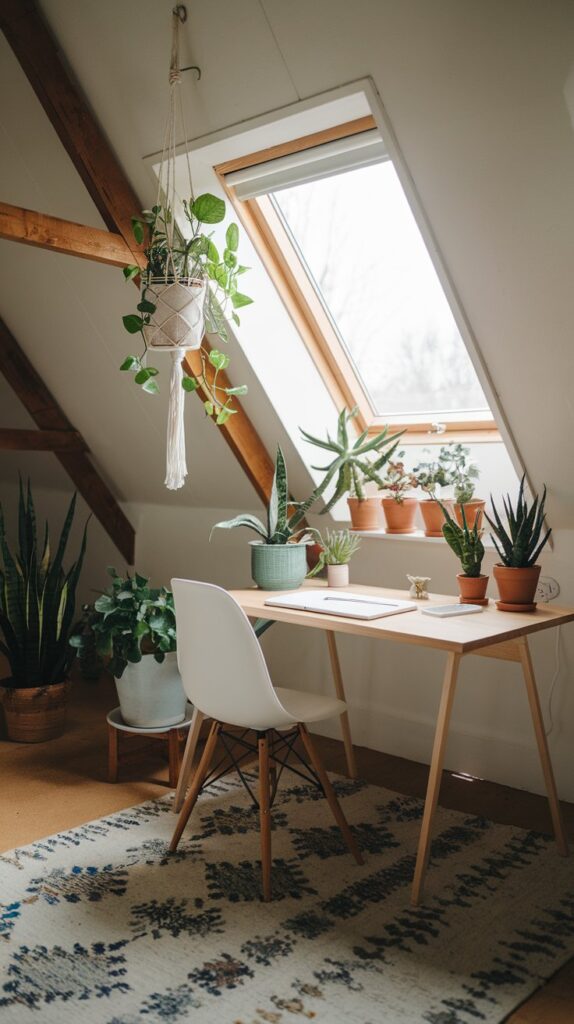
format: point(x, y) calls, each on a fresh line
point(132, 627)
point(400, 509)
point(432, 475)
point(518, 545)
point(338, 547)
point(469, 549)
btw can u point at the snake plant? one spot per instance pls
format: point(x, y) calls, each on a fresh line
point(465, 543)
point(37, 598)
point(519, 546)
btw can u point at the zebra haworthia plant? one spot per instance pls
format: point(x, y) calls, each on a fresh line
point(37, 598)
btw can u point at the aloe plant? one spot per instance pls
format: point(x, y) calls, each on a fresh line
point(519, 546)
point(466, 544)
point(37, 598)
point(352, 465)
point(339, 546)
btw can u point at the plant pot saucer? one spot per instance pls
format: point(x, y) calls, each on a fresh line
point(115, 718)
point(474, 600)
point(434, 533)
point(506, 606)
point(410, 530)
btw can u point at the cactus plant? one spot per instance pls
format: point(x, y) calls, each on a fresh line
point(465, 543)
point(519, 546)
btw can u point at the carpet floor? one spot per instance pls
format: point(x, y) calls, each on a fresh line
point(101, 924)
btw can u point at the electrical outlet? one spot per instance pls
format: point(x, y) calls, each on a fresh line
point(547, 589)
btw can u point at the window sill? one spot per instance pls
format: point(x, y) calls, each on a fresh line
point(417, 536)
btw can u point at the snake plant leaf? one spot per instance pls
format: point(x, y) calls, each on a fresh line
point(277, 509)
point(251, 522)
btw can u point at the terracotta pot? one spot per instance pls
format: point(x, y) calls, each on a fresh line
point(433, 516)
point(35, 714)
point(313, 552)
point(366, 514)
point(400, 515)
point(516, 587)
point(473, 511)
point(338, 575)
point(472, 589)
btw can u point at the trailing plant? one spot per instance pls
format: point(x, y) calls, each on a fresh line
point(355, 462)
point(37, 598)
point(431, 474)
point(466, 544)
point(461, 471)
point(282, 523)
point(398, 480)
point(172, 257)
point(339, 546)
point(519, 544)
point(126, 621)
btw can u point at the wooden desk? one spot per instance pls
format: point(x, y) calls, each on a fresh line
point(490, 634)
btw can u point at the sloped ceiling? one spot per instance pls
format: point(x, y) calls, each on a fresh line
point(475, 93)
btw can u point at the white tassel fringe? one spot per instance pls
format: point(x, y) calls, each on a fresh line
point(176, 468)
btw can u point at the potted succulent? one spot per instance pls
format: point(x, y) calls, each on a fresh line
point(400, 510)
point(356, 463)
point(37, 597)
point(132, 628)
point(518, 545)
point(432, 475)
point(463, 474)
point(469, 549)
point(279, 558)
point(338, 547)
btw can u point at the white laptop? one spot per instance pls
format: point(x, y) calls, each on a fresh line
point(348, 604)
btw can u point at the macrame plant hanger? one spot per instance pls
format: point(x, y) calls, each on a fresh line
point(178, 323)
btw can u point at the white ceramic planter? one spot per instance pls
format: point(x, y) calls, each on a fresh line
point(178, 321)
point(151, 694)
point(338, 575)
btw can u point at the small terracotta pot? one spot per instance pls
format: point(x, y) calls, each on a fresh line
point(365, 514)
point(473, 511)
point(433, 516)
point(35, 714)
point(516, 588)
point(400, 515)
point(472, 589)
point(313, 553)
point(338, 575)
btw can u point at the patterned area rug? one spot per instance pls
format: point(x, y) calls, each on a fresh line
point(100, 924)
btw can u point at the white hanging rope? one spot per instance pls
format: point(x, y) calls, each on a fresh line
point(176, 468)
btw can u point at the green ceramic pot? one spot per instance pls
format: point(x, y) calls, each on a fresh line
point(278, 566)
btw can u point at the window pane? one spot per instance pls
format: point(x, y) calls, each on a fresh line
point(362, 247)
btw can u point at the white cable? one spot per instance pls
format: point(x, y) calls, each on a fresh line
point(554, 681)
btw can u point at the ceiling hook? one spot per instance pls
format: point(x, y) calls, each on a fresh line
point(193, 67)
point(180, 12)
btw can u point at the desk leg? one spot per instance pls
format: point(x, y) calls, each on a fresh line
point(538, 723)
point(441, 734)
point(187, 762)
point(344, 718)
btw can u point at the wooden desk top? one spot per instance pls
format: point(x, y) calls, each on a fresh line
point(463, 634)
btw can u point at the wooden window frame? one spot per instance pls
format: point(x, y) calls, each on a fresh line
point(306, 310)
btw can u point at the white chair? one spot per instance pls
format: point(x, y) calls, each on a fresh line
point(226, 678)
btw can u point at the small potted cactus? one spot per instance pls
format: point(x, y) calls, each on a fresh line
point(518, 546)
point(468, 547)
point(338, 547)
point(400, 510)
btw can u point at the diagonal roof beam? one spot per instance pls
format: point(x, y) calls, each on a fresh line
point(108, 185)
point(46, 232)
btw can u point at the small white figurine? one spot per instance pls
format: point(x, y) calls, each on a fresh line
point(419, 587)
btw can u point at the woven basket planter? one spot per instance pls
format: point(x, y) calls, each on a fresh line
point(36, 713)
point(278, 566)
point(178, 322)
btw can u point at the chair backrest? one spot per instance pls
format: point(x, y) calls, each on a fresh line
point(221, 663)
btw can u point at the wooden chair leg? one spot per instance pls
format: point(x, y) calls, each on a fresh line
point(187, 762)
point(265, 814)
point(435, 773)
point(544, 753)
point(113, 736)
point(344, 718)
point(329, 792)
point(196, 785)
point(173, 755)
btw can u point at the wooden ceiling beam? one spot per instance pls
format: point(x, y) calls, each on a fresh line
point(46, 232)
point(41, 440)
point(47, 414)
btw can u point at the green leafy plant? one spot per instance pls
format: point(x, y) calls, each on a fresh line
point(431, 474)
point(338, 546)
point(519, 545)
point(355, 461)
point(398, 480)
point(171, 256)
point(460, 470)
point(466, 544)
point(127, 620)
point(37, 598)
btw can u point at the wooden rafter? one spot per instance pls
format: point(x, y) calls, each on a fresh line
point(107, 184)
point(41, 440)
point(45, 232)
point(45, 411)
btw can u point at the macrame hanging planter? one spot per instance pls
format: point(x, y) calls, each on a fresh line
point(177, 323)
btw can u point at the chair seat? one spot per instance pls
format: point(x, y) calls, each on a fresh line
point(309, 707)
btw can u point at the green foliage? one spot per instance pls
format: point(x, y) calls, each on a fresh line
point(519, 544)
point(129, 619)
point(354, 463)
point(431, 474)
point(459, 470)
point(339, 546)
point(194, 257)
point(37, 597)
point(398, 480)
point(466, 544)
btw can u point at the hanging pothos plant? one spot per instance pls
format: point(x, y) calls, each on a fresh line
point(196, 264)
